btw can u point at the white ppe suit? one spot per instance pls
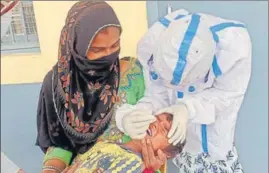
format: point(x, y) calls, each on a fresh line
point(175, 53)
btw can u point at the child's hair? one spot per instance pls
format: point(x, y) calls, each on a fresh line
point(173, 150)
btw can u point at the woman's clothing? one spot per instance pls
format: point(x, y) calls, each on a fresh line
point(77, 97)
point(131, 89)
point(203, 163)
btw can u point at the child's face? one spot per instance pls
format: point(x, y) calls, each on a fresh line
point(158, 131)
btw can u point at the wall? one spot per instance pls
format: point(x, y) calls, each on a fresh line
point(19, 100)
point(251, 136)
point(50, 17)
point(18, 125)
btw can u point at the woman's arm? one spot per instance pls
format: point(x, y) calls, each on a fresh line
point(55, 158)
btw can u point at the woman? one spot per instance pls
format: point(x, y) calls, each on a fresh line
point(78, 94)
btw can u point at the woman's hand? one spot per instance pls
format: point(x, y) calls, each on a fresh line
point(150, 160)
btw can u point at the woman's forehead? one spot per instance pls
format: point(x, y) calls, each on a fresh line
point(106, 37)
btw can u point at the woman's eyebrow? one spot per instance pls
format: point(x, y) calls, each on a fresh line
point(97, 47)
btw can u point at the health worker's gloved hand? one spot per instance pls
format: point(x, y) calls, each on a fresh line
point(178, 130)
point(136, 123)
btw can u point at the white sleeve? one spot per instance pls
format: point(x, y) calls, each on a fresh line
point(228, 90)
point(155, 98)
point(7, 166)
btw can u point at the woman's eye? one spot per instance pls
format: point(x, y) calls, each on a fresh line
point(95, 50)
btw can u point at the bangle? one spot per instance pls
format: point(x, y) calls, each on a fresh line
point(52, 168)
point(60, 154)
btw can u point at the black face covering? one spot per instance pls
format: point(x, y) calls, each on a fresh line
point(100, 65)
point(109, 59)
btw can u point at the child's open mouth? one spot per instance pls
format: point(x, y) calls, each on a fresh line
point(152, 130)
point(149, 132)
